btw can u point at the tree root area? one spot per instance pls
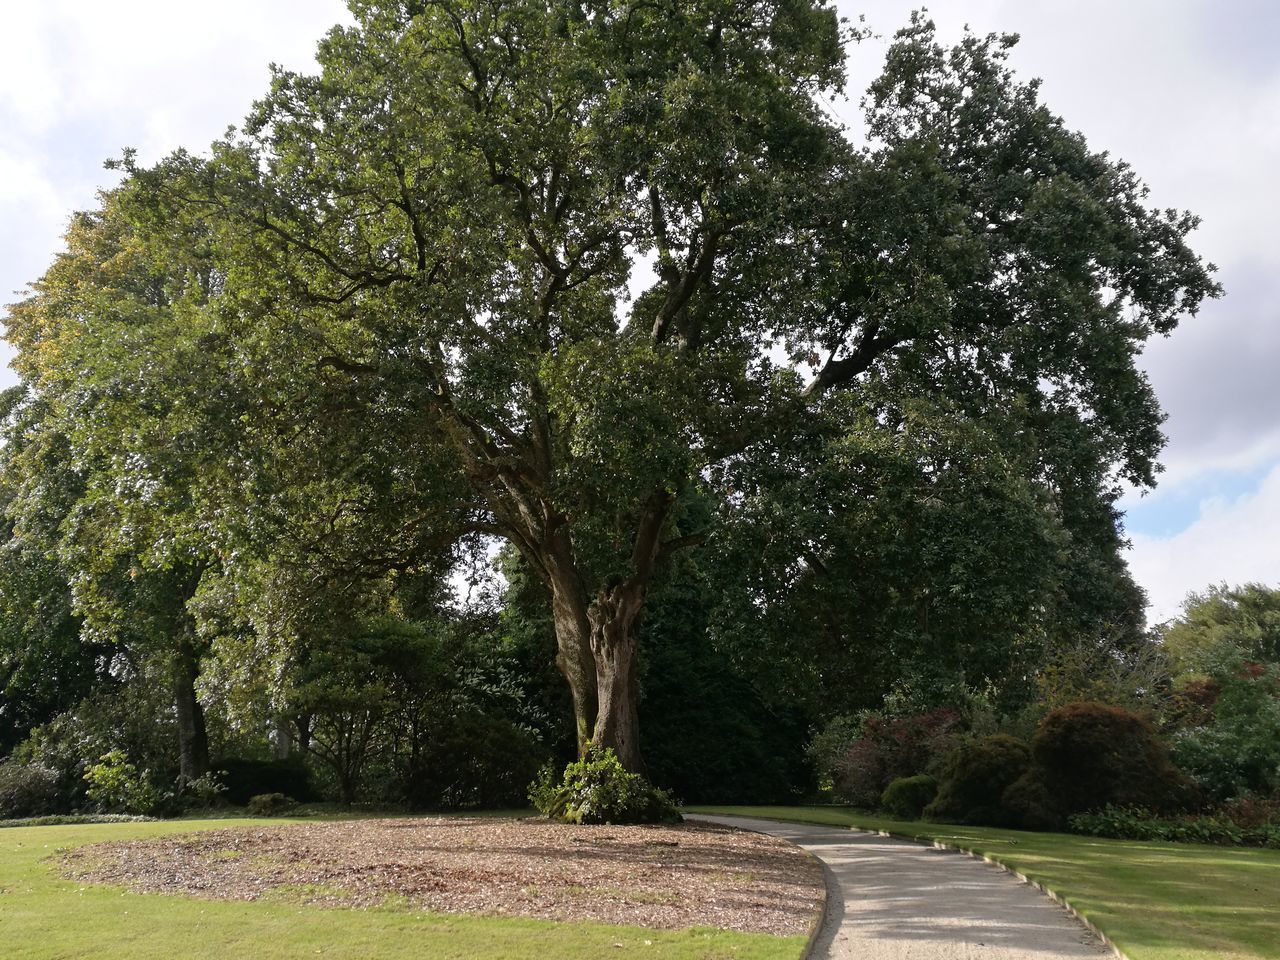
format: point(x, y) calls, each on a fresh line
point(667, 877)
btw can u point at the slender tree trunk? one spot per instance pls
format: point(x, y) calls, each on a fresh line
point(193, 738)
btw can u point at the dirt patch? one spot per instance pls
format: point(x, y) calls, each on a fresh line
point(663, 877)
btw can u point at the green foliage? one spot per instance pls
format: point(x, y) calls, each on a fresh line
point(277, 393)
point(270, 805)
point(1235, 749)
point(597, 789)
point(1245, 618)
point(118, 786)
point(972, 781)
point(1089, 755)
point(907, 797)
point(711, 735)
point(246, 777)
point(66, 819)
point(46, 666)
point(1136, 823)
point(1135, 676)
point(828, 745)
point(469, 761)
point(27, 790)
point(202, 792)
point(880, 749)
point(427, 712)
point(132, 713)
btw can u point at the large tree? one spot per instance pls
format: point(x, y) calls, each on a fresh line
point(582, 264)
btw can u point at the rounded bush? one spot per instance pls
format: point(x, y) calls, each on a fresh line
point(906, 797)
point(974, 778)
point(1090, 755)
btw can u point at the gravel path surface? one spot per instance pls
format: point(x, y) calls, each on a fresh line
point(905, 901)
point(691, 875)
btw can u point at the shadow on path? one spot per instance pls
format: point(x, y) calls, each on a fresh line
point(897, 900)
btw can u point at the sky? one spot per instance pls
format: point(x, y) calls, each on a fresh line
point(1188, 92)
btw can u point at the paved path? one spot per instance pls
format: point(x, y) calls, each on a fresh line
point(906, 901)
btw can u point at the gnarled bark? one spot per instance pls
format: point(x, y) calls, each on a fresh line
point(613, 646)
point(573, 637)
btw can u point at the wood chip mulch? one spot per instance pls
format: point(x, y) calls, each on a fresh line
point(663, 877)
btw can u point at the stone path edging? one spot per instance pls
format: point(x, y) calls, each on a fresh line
point(832, 918)
point(823, 916)
point(1051, 894)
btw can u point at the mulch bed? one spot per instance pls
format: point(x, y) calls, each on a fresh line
point(662, 877)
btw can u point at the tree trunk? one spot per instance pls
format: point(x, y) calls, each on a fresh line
point(613, 646)
point(193, 738)
point(281, 739)
point(613, 618)
point(573, 645)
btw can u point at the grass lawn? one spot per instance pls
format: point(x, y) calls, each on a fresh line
point(1157, 901)
point(43, 917)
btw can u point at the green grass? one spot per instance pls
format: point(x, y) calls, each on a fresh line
point(43, 917)
point(1157, 901)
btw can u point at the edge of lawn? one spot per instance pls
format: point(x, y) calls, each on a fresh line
point(38, 877)
point(923, 837)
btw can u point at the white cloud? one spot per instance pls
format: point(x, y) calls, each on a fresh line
point(1232, 541)
point(81, 79)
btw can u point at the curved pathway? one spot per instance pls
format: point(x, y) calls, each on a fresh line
point(897, 900)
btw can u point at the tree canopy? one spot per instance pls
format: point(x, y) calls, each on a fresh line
point(606, 281)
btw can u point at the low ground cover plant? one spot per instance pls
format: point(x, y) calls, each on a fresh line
point(1135, 823)
point(597, 789)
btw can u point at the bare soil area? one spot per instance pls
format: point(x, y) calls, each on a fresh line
point(694, 874)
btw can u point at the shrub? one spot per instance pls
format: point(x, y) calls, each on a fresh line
point(1030, 803)
point(270, 805)
point(474, 761)
point(1236, 750)
point(1094, 754)
point(884, 749)
point(973, 780)
point(906, 797)
point(27, 790)
point(597, 789)
point(202, 792)
point(1252, 810)
point(1135, 823)
point(244, 778)
point(117, 786)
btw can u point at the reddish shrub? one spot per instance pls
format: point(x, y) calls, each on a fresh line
point(1193, 704)
point(1251, 810)
point(1090, 755)
point(890, 748)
